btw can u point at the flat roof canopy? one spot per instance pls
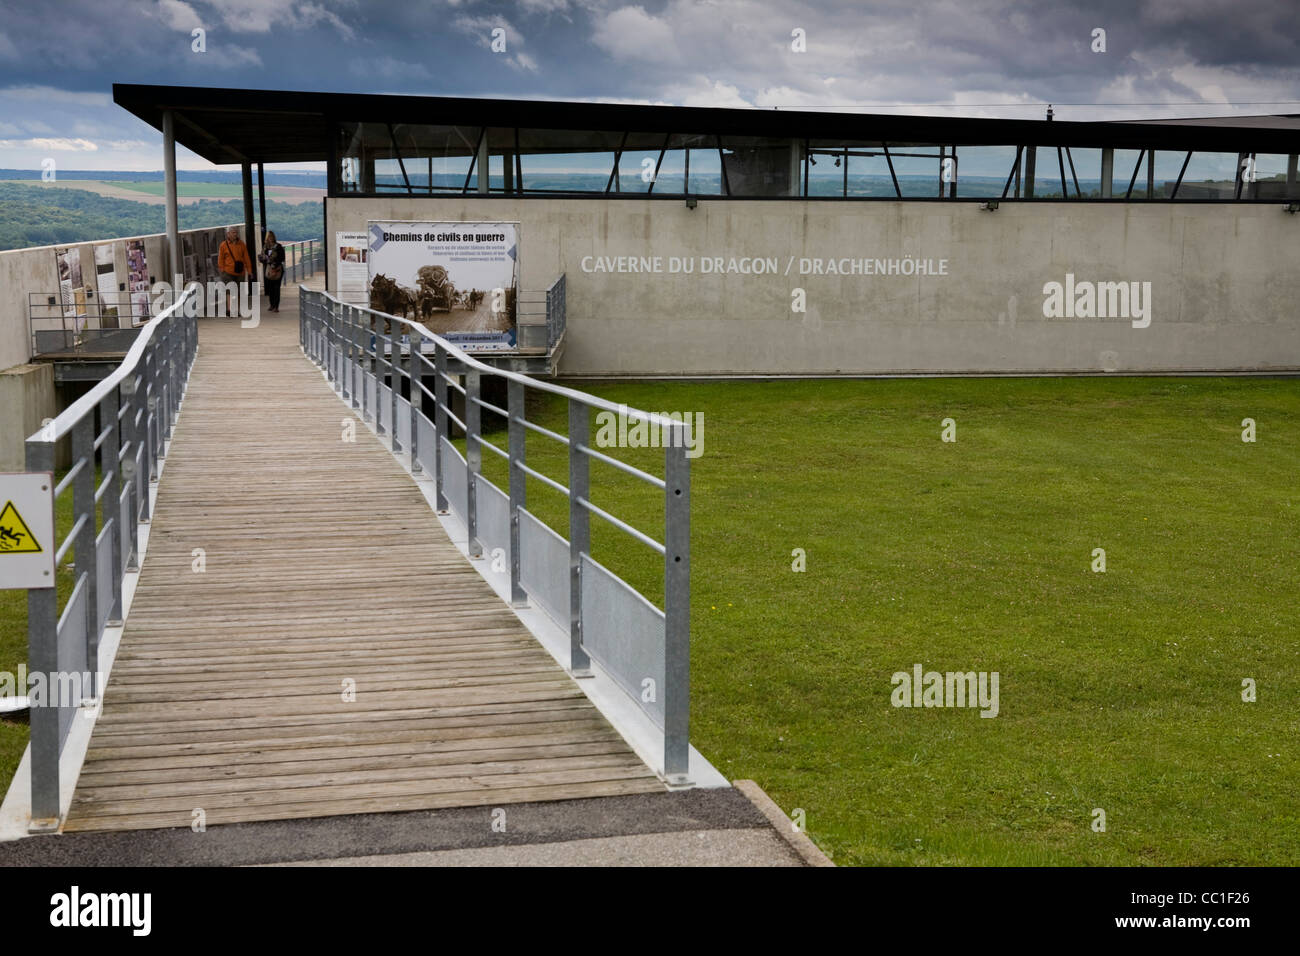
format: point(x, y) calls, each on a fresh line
point(275, 126)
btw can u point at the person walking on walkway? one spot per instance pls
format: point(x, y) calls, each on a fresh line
point(234, 264)
point(272, 259)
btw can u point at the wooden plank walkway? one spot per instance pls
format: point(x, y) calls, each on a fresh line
point(323, 563)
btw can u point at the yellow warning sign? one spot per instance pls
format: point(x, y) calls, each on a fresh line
point(15, 536)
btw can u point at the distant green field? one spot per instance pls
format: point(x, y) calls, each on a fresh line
point(1119, 691)
point(202, 190)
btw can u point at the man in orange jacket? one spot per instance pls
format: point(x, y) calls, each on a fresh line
point(234, 262)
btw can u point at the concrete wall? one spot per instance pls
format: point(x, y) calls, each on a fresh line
point(1224, 283)
point(34, 270)
point(26, 400)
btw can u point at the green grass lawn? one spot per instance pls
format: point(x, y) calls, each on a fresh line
point(1119, 690)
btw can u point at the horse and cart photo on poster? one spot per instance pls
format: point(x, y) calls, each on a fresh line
point(459, 279)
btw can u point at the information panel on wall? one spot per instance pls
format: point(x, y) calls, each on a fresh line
point(351, 272)
point(460, 279)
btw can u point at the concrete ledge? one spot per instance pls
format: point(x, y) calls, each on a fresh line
point(26, 400)
point(797, 839)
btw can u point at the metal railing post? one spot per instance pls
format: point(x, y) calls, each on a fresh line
point(83, 507)
point(131, 442)
point(109, 459)
point(439, 422)
point(141, 437)
point(364, 349)
point(163, 404)
point(354, 358)
point(376, 370)
point(417, 397)
point(579, 531)
point(516, 446)
point(677, 607)
point(473, 457)
point(171, 345)
point(394, 383)
point(151, 408)
point(43, 658)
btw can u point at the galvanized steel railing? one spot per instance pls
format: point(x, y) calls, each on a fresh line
point(645, 650)
point(302, 258)
point(120, 426)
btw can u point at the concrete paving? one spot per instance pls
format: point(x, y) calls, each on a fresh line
point(719, 827)
point(688, 848)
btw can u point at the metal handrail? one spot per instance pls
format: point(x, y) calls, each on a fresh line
point(349, 344)
point(301, 265)
point(124, 421)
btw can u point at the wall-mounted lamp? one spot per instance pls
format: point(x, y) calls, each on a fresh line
point(1292, 208)
point(991, 205)
point(691, 202)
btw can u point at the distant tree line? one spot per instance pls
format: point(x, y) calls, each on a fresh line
point(43, 216)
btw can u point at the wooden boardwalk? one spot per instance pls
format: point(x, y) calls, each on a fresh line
point(323, 565)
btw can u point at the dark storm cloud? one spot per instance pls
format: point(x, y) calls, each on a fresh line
point(722, 52)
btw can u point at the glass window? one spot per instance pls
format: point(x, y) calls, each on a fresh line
point(981, 171)
point(1209, 176)
point(567, 161)
point(858, 169)
point(1126, 164)
point(761, 166)
point(637, 161)
point(402, 157)
point(705, 168)
point(1264, 176)
point(918, 169)
point(1083, 171)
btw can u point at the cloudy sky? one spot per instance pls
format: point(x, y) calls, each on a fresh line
point(58, 59)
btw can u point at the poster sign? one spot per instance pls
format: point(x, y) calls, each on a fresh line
point(106, 282)
point(72, 287)
point(27, 544)
point(137, 267)
point(460, 279)
point(352, 271)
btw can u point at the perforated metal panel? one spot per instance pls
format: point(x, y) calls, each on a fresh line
point(125, 504)
point(493, 517)
point(403, 423)
point(625, 633)
point(453, 479)
point(385, 415)
point(71, 652)
point(104, 575)
point(426, 449)
point(544, 568)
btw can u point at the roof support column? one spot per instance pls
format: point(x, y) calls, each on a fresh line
point(261, 201)
point(796, 167)
point(250, 239)
point(484, 183)
point(1107, 171)
point(169, 189)
point(1291, 190)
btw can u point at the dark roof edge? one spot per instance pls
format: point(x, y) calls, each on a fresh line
point(148, 101)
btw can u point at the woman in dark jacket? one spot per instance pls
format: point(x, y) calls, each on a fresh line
point(272, 258)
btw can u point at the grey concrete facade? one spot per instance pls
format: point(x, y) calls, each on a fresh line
point(26, 399)
point(1222, 294)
